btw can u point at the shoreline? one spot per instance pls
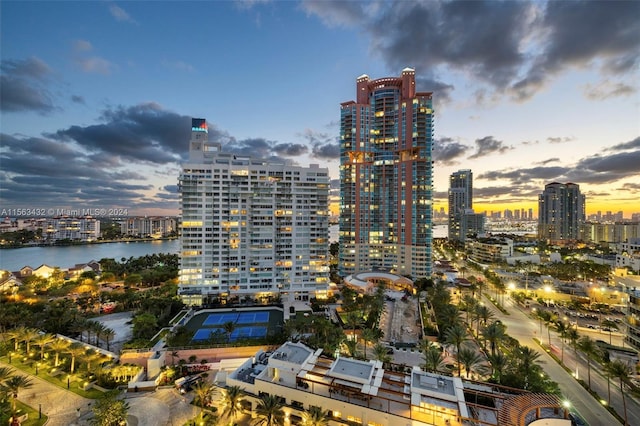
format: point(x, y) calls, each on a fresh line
point(86, 243)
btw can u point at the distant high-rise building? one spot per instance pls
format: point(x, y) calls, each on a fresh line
point(386, 138)
point(462, 219)
point(561, 212)
point(250, 227)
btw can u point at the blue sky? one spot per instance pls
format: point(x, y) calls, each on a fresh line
point(97, 96)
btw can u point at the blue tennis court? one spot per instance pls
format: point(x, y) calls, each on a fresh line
point(218, 319)
point(238, 333)
point(253, 317)
point(242, 318)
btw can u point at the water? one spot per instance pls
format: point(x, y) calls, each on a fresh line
point(67, 256)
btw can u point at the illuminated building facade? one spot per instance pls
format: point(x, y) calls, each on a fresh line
point(250, 228)
point(561, 212)
point(386, 138)
point(462, 219)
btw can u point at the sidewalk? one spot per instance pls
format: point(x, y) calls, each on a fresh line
point(63, 407)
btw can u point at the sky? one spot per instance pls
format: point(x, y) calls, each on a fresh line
point(96, 97)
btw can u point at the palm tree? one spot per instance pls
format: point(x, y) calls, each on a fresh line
point(470, 304)
point(269, 411)
point(229, 327)
point(98, 328)
point(57, 346)
point(204, 394)
point(469, 358)
point(482, 313)
point(232, 398)
point(380, 353)
point(433, 358)
point(562, 329)
point(610, 325)
point(16, 335)
point(499, 363)
point(589, 347)
point(15, 384)
point(42, 340)
point(456, 335)
point(526, 358)
point(368, 336)
point(622, 372)
point(75, 350)
point(108, 334)
point(28, 335)
point(352, 347)
point(315, 416)
point(353, 319)
point(548, 318)
point(494, 333)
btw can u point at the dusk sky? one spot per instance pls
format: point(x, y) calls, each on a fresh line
point(97, 97)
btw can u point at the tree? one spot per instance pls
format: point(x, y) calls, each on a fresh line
point(203, 394)
point(75, 350)
point(470, 304)
point(229, 327)
point(470, 359)
point(28, 336)
point(589, 347)
point(42, 340)
point(609, 325)
point(368, 336)
point(548, 318)
point(482, 313)
point(110, 410)
point(433, 358)
point(380, 353)
point(622, 372)
point(269, 411)
point(456, 335)
point(562, 329)
point(232, 398)
point(13, 385)
point(353, 319)
point(315, 416)
point(108, 334)
point(499, 364)
point(526, 358)
point(57, 346)
point(144, 326)
point(494, 333)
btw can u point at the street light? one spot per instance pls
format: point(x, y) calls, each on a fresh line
point(37, 365)
point(10, 353)
point(68, 377)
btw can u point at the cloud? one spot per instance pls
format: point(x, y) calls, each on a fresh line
point(178, 65)
point(582, 35)
point(290, 149)
point(336, 13)
point(557, 140)
point(509, 47)
point(328, 151)
point(489, 145)
point(142, 133)
point(77, 99)
point(24, 86)
point(95, 64)
point(447, 150)
point(608, 89)
point(120, 14)
point(550, 160)
point(635, 143)
point(82, 46)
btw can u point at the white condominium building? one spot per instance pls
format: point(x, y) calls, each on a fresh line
point(251, 227)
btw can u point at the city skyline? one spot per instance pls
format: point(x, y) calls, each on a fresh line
point(96, 96)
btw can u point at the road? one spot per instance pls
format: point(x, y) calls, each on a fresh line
point(521, 327)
